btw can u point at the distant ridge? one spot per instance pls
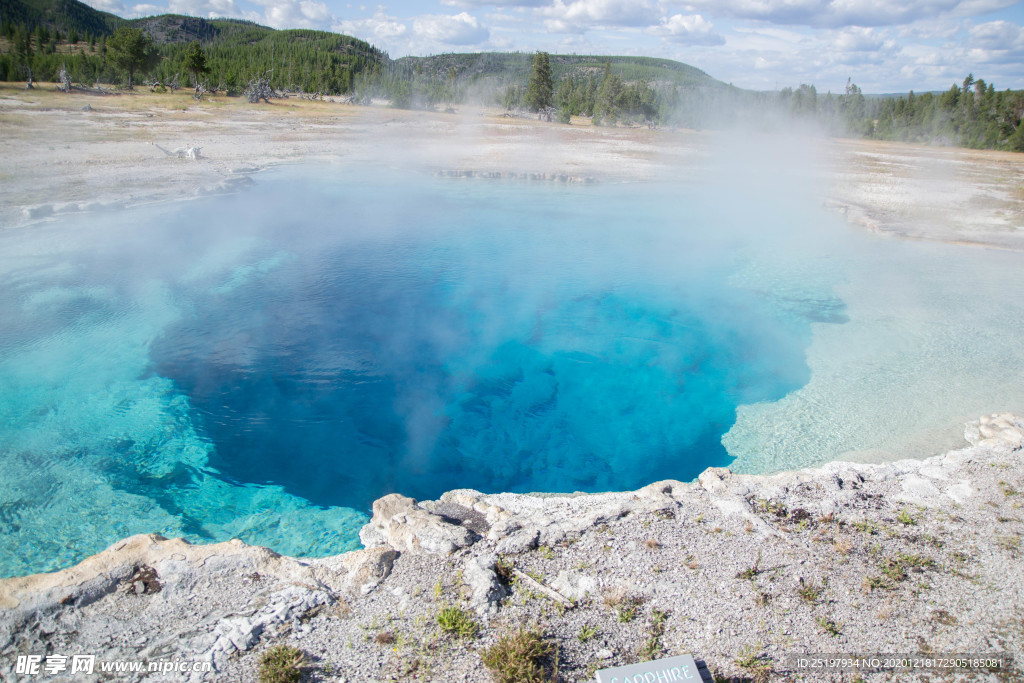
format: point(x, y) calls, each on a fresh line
point(66, 15)
point(516, 66)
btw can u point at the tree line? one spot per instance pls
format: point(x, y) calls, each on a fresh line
point(296, 60)
point(970, 114)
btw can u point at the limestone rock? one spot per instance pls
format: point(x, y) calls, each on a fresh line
point(368, 568)
point(575, 585)
point(997, 429)
point(519, 542)
point(486, 591)
point(713, 480)
point(400, 523)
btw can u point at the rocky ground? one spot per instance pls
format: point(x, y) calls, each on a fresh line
point(746, 573)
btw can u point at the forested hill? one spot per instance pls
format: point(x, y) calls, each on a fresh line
point(63, 15)
point(72, 34)
point(515, 67)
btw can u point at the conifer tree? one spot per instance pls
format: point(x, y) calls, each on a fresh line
point(540, 90)
point(132, 50)
point(195, 61)
point(23, 50)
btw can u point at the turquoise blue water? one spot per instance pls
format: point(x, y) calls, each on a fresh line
point(265, 365)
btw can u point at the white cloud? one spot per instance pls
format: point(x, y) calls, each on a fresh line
point(379, 29)
point(690, 29)
point(208, 9)
point(144, 11)
point(860, 39)
point(998, 35)
point(458, 29)
point(839, 13)
point(112, 6)
point(768, 38)
point(493, 3)
point(933, 29)
point(204, 8)
point(294, 13)
point(579, 15)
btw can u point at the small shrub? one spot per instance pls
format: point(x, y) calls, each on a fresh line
point(521, 657)
point(613, 597)
point(752, 662)
point(866, 527)
point(1010, 543)
point(810, 592)
point(623, 604)
point(768, 506)
point(893, 570)
point(282, 664)
point(751, 573)
point(828, 626)
point(652, 648)
point(872, 583)
point(916, 562)
point(457, 621)
point(504, 569)
point(905, 519)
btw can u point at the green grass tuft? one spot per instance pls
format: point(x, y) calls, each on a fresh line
point(282, 664)
point(457, 621)
point(521, 657)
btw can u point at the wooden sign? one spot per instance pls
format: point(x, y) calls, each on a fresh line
point(671, 670)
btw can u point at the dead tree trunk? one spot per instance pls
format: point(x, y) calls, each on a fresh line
point(64, 79)
point(259, 89)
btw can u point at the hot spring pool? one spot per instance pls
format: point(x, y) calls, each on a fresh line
point(265, 365)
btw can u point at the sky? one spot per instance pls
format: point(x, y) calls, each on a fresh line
point(882, 45)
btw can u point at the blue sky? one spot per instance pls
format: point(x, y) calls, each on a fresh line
point(884, 46)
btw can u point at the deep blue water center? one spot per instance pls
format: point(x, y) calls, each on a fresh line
point(326, 338)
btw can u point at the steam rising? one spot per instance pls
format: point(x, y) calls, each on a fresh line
point(265, 365)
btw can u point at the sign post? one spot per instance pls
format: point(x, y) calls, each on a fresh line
point(681, 669)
